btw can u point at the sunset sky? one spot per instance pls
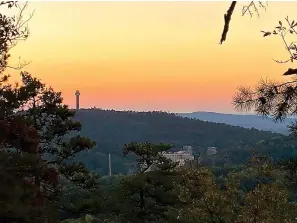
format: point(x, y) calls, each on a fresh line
point(151, 55)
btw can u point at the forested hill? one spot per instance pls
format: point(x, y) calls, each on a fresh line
point(112, 129)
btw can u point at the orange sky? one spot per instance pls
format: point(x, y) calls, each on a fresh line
point(150, 55)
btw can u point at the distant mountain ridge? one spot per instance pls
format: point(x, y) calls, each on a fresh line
point(246, 121)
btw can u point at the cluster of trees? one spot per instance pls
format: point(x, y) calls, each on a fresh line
point(41, 180)
point(257, 192)
point(38, 139)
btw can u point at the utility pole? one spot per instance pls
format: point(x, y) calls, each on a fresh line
point(109, 163)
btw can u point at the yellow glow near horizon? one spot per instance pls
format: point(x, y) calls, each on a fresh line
point(151, 55)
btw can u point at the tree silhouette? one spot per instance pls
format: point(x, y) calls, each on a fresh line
point(271, 98)
point(276, 99)
point(37, 136)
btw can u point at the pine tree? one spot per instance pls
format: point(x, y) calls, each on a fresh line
point(38, 145)
point(150, 194)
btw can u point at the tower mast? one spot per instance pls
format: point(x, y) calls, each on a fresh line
point(77, 94)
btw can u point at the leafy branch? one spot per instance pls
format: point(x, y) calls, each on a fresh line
point(282, 30)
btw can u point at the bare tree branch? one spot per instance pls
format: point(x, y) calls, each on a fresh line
point(247, 9)
point(227, 19)
point(12, 30)
point(19, 66)
point(252, 6)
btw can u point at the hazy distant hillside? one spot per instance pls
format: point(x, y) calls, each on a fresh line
point(112, 129)
point(246, 121)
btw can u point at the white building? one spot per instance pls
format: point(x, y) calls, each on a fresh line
point(211, 151)
point(179, 157)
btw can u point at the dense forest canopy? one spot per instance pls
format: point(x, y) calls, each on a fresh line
point(112, 129)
